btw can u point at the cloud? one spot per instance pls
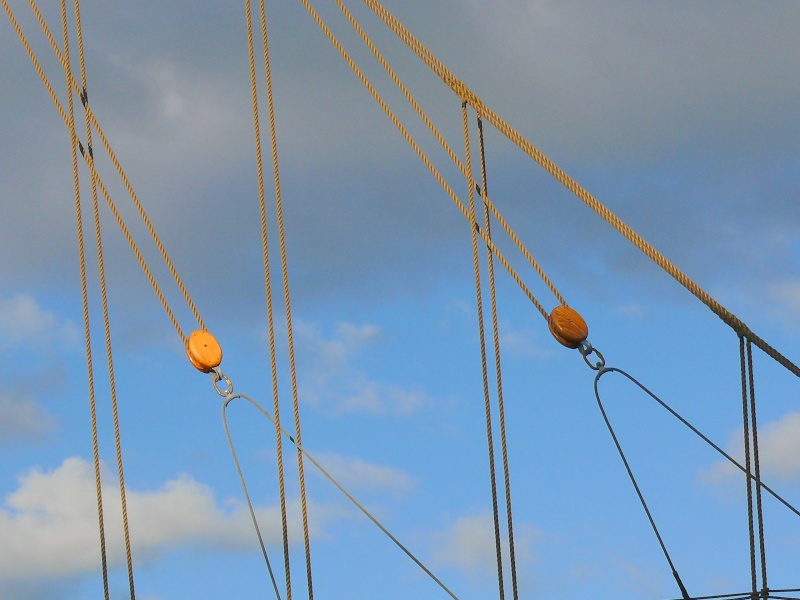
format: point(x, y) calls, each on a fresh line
point(50, 526)
point(22, 419)
point(469, 545)
point(779, 452)
point(357, 474)
point(333, 384)
point(24, 322)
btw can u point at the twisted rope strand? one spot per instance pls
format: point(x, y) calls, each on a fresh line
point(463, 92)
point(484, 370)
point(426, 161)
point(86, 320)
point(448, 149)
point(106, 319)
point(501, 411)
point(287, 302)
point(112, 155)
point(268, 293)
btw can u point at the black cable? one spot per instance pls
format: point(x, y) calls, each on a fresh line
point(747, 462)
point(757, 465)
point(697, 432)
point(684, 593)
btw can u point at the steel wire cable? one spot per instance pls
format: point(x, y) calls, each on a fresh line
point(231, 397)
point(484, 368)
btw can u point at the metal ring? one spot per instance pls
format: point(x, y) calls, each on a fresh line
point(586, 350)
point(216, 375)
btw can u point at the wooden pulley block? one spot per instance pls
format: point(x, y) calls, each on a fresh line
point(567, 326)
point(203, 351)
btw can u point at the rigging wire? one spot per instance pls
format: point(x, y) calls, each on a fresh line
point(269, 307)
point(105, 309)
point(465, 94)
point(426, 161)
point(484, 191)
point(448, 149)
point(230, 397)
point(748, 468)
point(750, 430)
point(86, 321)
point(684, 593)
point(484, 369)
point(287, 302)
point(115, 161)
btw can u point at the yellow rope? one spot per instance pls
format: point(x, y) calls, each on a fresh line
point(287, 301)
point(86, 320)
point(268, 292)
point(447, 148)
point(126, 182)
point(90, 163)
point(104, 300)
point(484, 369)
point(426, 161)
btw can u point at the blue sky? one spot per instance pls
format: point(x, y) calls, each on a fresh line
point(682, 118)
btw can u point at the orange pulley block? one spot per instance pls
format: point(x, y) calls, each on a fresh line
point(567, 326)
point(203, 351)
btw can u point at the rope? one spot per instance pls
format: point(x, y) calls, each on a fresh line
point(270, 312)
point(747, 462)
point(96, 125)
point(757, 469)
point(86, 322)
point(463, 92)
point(106, 319)
point(453, 156)
point(230, 397)
point(426, 161)
point(87, 156)
point(173, 271)
point(484, 370)
point(496, 335)
point(287, 301)
point(600, 373)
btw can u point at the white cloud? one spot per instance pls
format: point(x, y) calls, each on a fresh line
point(784, 300)
point(357, 474)
point(334, 384)
point(469, 545)
point(779, 452)
point(24, 321)
point(21, 418)
point(49, 525)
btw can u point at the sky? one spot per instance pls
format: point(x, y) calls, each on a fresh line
point(680, 117)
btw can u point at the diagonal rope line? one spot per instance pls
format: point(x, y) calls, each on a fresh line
point(87, 156)
point(268, 293)
point(231, 397)
point(463, 92)
point(484, 370)
point(287, 301)
point(115, 161)
point(426, 161)
point(86, 322)
point(448, 149)
point(104, 300)
point(500, 402)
